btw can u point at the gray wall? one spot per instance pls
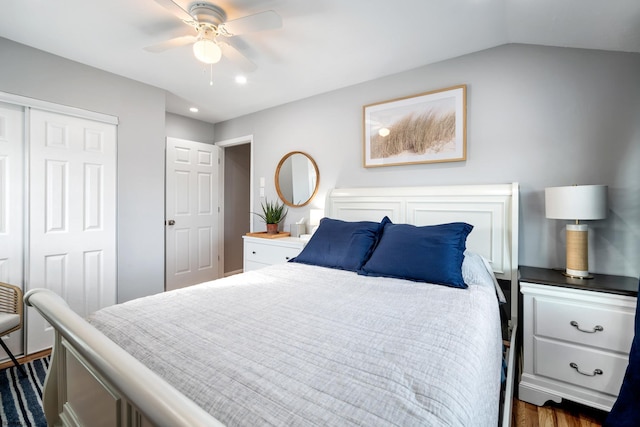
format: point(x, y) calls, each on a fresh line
point(541, 116)
point(187, 128)
point(141, 135)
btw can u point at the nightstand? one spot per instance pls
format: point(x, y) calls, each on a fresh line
point(260, 252)
point(576, 336)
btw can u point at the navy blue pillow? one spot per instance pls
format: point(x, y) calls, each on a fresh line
point(341, 244)
point(431, 254)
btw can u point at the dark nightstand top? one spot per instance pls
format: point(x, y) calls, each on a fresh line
point(600, 283)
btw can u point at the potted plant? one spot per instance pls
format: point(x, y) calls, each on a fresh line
point(273, 213)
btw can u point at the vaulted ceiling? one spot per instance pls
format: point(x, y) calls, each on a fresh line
point(322, 45)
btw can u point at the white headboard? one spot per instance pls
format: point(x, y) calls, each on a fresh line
point(491, 209)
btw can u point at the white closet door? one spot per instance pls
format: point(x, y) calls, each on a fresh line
point(11, 207)
point(192, 213)
point(72, 220)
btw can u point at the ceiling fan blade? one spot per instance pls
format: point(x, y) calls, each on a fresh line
point(171, 43)
point(234, 55)
point(268, 20)
point(176, 10)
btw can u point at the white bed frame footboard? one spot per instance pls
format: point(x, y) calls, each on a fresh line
point(94, 382)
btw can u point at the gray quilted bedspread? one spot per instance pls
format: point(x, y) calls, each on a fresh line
point(298, 345)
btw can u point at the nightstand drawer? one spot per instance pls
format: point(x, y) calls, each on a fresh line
point(269, 254)
point(554, 360)
point(584, 323)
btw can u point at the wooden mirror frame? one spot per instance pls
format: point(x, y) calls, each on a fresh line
point(277, 179)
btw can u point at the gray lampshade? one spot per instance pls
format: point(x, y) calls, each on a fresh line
point(576, 202)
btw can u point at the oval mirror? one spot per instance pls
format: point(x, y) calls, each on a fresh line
point(297, 179)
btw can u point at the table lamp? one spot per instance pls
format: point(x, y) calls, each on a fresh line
point(577, 202)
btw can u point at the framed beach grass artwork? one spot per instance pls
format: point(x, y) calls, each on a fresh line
point(425, 128)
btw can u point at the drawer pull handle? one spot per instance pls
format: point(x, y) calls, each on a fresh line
point(253, 252)
point(597, 328)
point(287, 258)
point(596, 372)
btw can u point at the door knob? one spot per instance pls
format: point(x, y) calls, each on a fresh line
point(171, 222)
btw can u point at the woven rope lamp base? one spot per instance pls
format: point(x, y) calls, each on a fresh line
point(577, 251)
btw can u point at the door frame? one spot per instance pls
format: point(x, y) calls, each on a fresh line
point(23, 101)
point(247, 139)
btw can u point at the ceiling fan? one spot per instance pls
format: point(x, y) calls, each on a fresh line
point(213, 36)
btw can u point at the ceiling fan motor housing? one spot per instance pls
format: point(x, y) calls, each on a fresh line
point(212, 28)
point(208, 13)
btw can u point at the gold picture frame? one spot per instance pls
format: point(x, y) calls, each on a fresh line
point(430, 127)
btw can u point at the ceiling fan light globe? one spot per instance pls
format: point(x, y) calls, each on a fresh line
point(207, 51)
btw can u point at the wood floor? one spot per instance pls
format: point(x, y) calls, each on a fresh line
point(564, 415)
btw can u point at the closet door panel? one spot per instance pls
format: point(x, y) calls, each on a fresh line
point(72, 243)
point(11, 207)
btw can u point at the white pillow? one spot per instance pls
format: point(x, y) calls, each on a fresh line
point(476, 270)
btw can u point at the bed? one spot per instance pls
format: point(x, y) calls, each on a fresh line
point(311, 342)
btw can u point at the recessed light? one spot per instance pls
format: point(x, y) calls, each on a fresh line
point(193, 109)
point(241, 80)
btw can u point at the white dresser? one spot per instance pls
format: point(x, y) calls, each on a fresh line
point(576, 336)
point(260, 252)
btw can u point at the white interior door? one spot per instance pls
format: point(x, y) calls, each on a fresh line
point(192, 212)
point(72, 215)
point(11, 207)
